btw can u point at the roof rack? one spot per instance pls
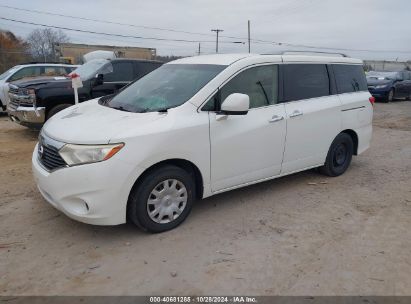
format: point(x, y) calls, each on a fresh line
point(313, 52)
point(39, 62)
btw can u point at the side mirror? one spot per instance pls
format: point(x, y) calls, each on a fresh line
point(99, 79)
point(235, 104)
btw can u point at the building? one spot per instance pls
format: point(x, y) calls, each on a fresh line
point(73, 53)
point(385, 65)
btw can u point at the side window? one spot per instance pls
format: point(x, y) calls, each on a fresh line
point(406, 75)
point(143, 68)
point(259, 83)
point(69, 69)
point(349, 78)
point(303, 81)
point(122, 71)
point(25, 73)
point(54, 71)
point(212, 104)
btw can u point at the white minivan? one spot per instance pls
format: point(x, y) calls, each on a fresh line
point(200, 126)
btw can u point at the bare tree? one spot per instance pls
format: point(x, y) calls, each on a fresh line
point(42, 42)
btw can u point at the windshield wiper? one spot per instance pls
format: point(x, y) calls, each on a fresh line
point(121, 109)
point(145, 110)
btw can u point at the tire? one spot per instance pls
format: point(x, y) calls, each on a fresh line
point(150, 190)
point(339, 156)
point(390, 96)
point(54, 110)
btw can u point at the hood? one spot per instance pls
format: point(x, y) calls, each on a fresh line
point(376, 81)
point(92, 123)
point(52, 82)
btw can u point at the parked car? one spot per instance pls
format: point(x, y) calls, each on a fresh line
point(200, 126)
point(34, 101)
point(31, 70)
point(388, 86)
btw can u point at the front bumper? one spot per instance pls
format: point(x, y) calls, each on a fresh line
point(379, 93)
point(27, 116)
point(94, 193)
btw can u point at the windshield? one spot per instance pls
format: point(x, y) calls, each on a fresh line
point(382, 75)
point(93, 67)
point(169, 86)
point(8, 72)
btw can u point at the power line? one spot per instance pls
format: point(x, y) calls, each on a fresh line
point(258, 41)
point(105, 21)
point(109, 34)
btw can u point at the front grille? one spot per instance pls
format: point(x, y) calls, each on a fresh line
point(26, 104)
point(49, 156)
point(13, 104)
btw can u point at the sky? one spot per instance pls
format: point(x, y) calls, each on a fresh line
point(366, 29)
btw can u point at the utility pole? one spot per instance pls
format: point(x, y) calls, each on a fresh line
point(199, 48)
point(217, 31)
point(249, 38)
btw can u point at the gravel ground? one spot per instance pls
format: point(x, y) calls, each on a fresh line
point(304, 234)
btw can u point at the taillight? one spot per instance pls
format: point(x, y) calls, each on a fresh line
point(372, 100)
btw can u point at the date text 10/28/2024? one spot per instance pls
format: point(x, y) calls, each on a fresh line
point(204, 299)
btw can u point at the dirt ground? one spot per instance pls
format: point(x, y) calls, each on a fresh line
point(304, 234)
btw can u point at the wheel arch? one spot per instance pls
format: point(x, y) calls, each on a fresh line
point(354, 137)
point(184, 164)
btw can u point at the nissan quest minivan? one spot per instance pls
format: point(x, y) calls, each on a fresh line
point(200, 126)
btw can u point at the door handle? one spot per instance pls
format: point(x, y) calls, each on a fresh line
point(296, 113)
point(276, 118)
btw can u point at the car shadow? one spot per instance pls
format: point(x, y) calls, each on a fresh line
point(227, 199)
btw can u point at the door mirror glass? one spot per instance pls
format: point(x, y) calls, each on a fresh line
point(235, 104)
point(99, 79)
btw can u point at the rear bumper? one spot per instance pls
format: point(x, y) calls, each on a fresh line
point(28, 116)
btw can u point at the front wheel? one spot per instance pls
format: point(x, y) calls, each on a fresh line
point(390, 96)
point(162, 200)
point(339, 155)
point(54, 110)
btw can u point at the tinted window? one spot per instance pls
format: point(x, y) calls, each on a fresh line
point(122, 71)
point(26, 72)
point(259, 83)
point(69, 69)
point(303, 81)
point(405, 75)
point(350, 78)
point(143, 68)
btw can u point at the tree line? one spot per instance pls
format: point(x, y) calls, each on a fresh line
point(37, 47)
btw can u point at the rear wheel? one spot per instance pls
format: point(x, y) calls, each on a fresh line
point(54, 110)
point(162, 200)
point(339, 155)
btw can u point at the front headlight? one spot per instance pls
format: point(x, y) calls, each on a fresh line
point(29, 95)
point(381, 86)
point(85, 154)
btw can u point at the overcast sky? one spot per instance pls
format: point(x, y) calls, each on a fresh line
point(378, 25)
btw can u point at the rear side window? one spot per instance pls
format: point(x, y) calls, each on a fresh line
point(122, 72)
point(54, 71)
point(143, 68)
point(349, 78)
point(303, 81)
